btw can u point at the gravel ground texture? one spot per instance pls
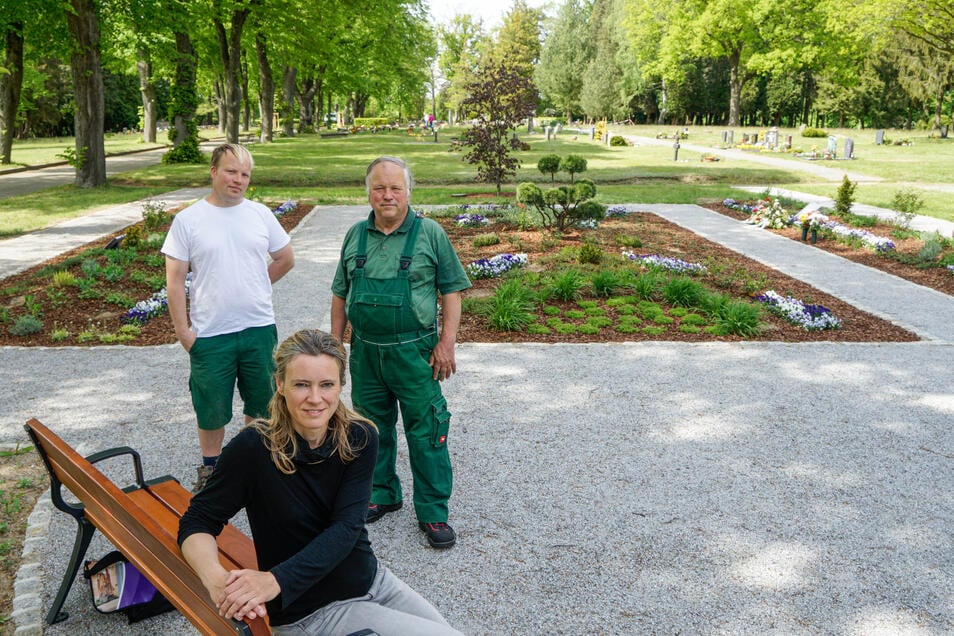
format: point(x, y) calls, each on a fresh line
point(600, 489)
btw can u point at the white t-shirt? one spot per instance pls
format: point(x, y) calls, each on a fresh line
point(228, 250)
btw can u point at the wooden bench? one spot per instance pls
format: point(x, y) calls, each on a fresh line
point(142, 522)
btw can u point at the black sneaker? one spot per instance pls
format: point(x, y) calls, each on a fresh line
point(439, 535)
point(376, 511)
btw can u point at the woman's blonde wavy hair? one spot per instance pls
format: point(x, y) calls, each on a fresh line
point(277, 431)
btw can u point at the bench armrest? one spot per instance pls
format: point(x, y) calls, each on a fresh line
point(116, 452)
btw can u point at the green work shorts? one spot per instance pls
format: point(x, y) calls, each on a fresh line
point(219, 362)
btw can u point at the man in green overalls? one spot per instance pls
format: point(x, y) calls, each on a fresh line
point(392, 268)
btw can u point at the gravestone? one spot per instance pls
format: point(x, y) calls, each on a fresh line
point(879, 137)
point(745, 138)
point(849, 148)
point(832, 146)
point(731, 135)
point(771, 138)
point(755, 138)
point(547, 130)
point(592, 132)
point(944, 131)
point(607, 136)
point(725, 136)
point(557, 128)
point(788, 141)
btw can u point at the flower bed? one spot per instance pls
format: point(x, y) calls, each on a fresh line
point(496, 265)
point(665, 262)
point(766, 214)
point(285, 207)
point(810, 317)
point(878, 243)
point(471, 220)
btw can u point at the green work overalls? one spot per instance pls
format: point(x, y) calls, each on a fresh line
point(390, 354)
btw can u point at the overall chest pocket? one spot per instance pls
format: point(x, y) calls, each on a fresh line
point(378, 312)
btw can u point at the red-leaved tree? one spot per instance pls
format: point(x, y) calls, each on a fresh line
point(501, 98)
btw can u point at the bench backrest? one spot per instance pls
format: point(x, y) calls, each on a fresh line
point(144, 539)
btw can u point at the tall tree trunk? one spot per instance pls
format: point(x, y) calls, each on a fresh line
point(306, 105)
point(289, 94)
point(320, 100)
point(184, 133)
point(266, 94)
point(246, 104)
point(219, 89)
point(360, 103)
point(230, 50)
point(87, 74)
point(938, 104)
point(147, 90)
point(735, 87)
point(10, 86)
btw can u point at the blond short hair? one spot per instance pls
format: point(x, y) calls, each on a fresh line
point(238, 151)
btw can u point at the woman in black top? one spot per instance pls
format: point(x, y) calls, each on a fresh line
point(304, 479)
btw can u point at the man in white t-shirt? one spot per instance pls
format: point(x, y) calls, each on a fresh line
point(236, 250)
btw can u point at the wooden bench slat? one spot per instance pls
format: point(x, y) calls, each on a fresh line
point(232, 542)
point(132, 529)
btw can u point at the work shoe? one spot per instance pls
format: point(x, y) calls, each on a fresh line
point(202, 476)
point(376, 511)
point(439, 535)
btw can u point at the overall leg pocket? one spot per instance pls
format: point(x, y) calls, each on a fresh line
point(441, 420)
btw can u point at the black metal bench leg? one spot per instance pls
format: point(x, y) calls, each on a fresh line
point(84, 534)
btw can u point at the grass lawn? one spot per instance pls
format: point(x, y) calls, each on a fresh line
point(36, 152)
point(331, 171)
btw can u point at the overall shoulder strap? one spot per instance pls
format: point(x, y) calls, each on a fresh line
point(409, 245)
point(361, 255)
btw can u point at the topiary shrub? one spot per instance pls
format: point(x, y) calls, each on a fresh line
point(562, 206)
point(814, 132)
point(618, 140)
point(574, 164)
point(549, 164)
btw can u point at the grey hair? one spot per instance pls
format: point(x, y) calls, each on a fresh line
point(400, 163)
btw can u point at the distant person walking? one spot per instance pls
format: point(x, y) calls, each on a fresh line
point(392, 268)
point(236, 249)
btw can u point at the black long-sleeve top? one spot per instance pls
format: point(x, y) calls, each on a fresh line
point(307, 527)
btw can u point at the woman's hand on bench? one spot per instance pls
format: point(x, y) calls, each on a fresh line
point(246, 592)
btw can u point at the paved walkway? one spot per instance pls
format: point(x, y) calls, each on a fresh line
point(19, 182)
point(22, 252)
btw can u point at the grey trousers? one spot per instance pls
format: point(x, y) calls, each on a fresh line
point(390, 608)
